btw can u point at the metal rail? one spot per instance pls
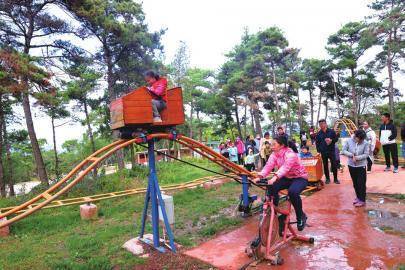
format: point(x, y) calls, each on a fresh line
point(91, 162)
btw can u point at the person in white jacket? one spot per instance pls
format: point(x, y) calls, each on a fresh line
point(371, 140)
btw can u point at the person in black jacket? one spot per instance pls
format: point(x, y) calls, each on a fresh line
point(388, 133)
point(325, 145)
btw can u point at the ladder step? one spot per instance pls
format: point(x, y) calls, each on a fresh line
point(46, 195)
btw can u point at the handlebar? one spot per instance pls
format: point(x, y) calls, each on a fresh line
point(263, 182)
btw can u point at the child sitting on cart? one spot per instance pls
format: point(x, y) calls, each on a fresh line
point(291, 175)
point(305, 152)
point(158, 89)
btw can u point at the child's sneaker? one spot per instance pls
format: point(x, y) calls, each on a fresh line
point(360, 204)
point(387, 169)
point(157, 120)
point(395, 170)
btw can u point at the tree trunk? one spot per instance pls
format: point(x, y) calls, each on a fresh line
point(237, 117)
point(319, 105)
point(391, 80)
point(132, 151)
point(276, 96)
point(199, 126)
point(89, 129)
point(2, 176)
point(354, 98)
point(34, 142)
point(311, 105)
point(253, 122)
point(336, 97)
point(256, 117)
point(191, 119)
point(10, 178)
point(299, 109)
point(245, 123)
point(326, 107)
point(57, 173)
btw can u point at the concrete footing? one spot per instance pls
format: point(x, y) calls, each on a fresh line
point(4, 231)
point(88, 211)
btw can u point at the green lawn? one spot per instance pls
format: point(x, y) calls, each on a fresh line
point(59, 239)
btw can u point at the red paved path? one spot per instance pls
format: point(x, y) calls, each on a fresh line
point(344, 238)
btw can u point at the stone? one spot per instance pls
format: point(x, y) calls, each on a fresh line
point(134, 246)
point(88, 211)
point(4, 231)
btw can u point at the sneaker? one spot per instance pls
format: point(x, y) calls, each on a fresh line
point(336, 181)
point(301, 223)
point(157, 120)
point(356, 201)
point(387, 169)
point(360, 204)
point(327, 181)
point(395, 170)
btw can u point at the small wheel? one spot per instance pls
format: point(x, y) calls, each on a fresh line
point(311, 240)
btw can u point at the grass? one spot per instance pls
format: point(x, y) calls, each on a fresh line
point(59, 239)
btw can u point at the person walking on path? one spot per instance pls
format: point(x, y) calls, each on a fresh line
point(371, 139)
point(388, 133)
point(357, 150)
point(325, 145)
point(240, 146)
point(281, 133)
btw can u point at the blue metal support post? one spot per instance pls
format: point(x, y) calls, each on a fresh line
point(245, 193)
point(154, 195)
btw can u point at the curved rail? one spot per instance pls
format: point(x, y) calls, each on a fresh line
point(350, 126)
point(122, 193)
point(91, 162)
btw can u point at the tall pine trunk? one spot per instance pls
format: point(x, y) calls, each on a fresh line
point(391, 80)
point(6, 143)
point(253, 122)
point(299, 109)
point(319, 105)
point(39, 162)
point(191, 119)
point(277, 118)
point(89, 130)
point(256, 117)
point(2, 175)
point(354, 98)
point(237, 117)
point(326, 107)
point(34, 141)
point(311, 105)
point(57, 173)
point(111, 95)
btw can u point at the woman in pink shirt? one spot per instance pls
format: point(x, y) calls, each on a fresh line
point(290, 175)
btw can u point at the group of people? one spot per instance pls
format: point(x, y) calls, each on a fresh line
point(253, 152)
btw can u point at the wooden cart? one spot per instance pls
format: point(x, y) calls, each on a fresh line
point(314, 168)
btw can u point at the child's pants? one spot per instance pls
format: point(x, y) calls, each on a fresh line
point(158, 105)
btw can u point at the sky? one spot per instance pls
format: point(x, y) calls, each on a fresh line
point(212, 28)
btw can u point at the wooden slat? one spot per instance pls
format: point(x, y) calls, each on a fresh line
point(46, 195)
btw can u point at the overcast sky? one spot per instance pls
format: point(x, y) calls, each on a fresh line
point(211, 28)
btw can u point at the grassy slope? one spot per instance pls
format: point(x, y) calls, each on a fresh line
point(58, 239)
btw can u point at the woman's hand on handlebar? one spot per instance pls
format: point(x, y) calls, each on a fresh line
point(272, 180)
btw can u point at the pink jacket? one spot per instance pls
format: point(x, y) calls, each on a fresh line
point(240, 146)
point(288, 165)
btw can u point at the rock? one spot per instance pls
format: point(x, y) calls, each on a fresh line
point(134, 246)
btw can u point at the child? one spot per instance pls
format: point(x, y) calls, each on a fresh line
point(305, 152)
point(250, 160)
point(266, 151)
point(157, 88)
point(233, 153)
